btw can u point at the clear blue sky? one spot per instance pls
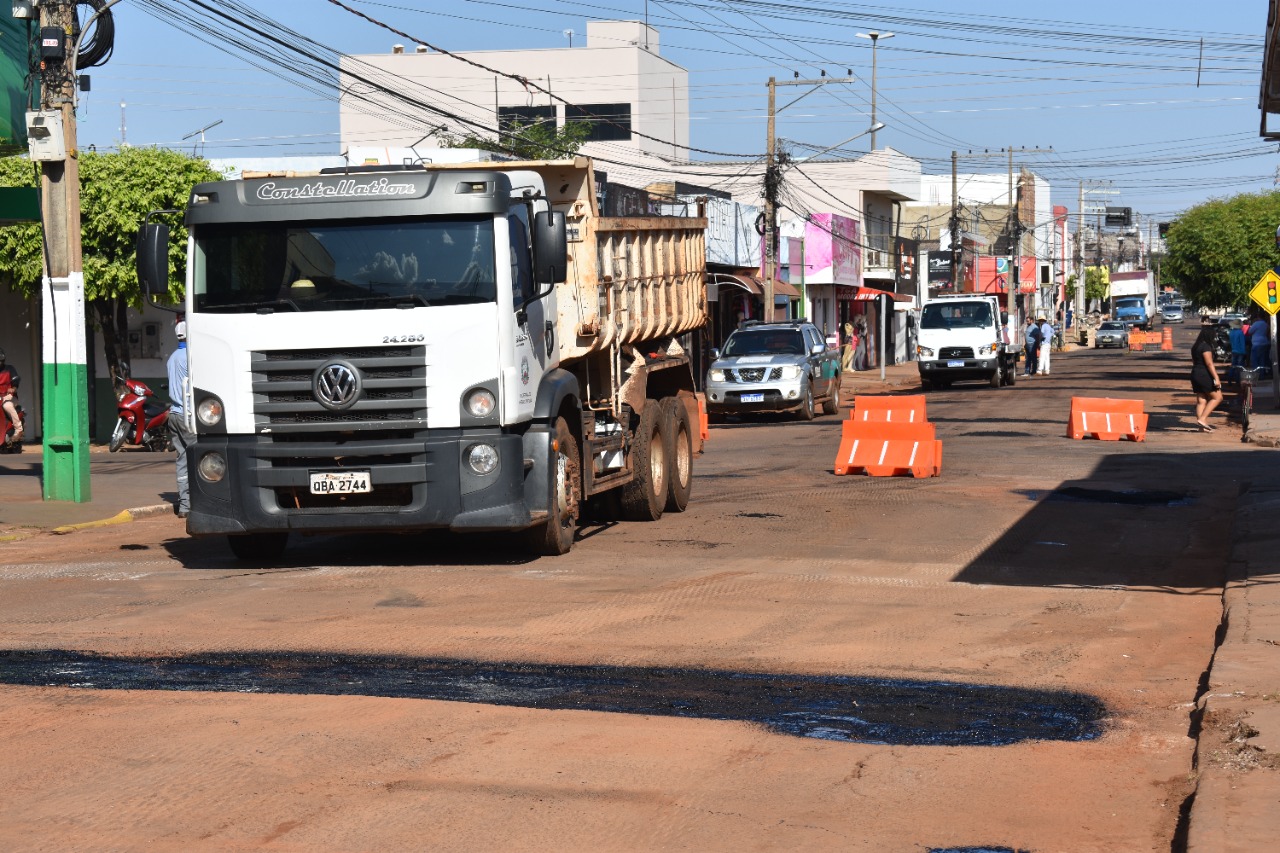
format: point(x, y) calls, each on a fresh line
point(1110, 86)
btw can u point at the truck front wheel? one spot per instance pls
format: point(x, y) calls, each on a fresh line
point(644, 498)
point(554, 537)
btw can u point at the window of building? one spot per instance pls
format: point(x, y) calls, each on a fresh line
point(609, 122)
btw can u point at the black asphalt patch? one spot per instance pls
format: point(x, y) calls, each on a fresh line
point(840, 708)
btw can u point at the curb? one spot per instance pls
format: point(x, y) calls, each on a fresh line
point(121, 518)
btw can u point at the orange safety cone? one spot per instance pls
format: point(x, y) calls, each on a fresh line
point(704, 428)
point(909, 409)
point(888, 449)
point(1107, 419)
point(1166, 340)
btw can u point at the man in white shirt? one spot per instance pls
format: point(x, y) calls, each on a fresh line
point(1046, 329)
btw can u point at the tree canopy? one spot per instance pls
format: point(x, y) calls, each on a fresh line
point(528, 141)
point(1217, 251)
point(117, 191)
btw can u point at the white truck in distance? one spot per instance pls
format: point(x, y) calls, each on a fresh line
point(396, 349)
point(962, 337)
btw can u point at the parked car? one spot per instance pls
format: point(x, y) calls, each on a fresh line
point(774, 367)
point(1112, 333)
point(1171, 313)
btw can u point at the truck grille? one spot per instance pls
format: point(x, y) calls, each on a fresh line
point(956, 352)
point(753, 374)
point(393, 389)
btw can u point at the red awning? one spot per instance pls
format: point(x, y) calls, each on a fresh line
point(870, 294)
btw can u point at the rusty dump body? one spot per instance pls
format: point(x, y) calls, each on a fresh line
point(631, 280)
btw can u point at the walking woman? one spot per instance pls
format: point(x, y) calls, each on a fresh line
point(1204, 378)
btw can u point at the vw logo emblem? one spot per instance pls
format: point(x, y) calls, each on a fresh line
point(336, 385)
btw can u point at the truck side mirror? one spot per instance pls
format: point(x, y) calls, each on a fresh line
point(550, 249)
point(153, 259)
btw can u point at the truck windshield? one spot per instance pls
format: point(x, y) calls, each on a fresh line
point(264, 267)
point(956, 315)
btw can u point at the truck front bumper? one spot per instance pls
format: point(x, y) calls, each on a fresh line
point(950, 369)
point(420, 481)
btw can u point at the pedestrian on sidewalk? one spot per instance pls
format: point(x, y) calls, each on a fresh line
point(176, 422)
point(1259, 342)
point(1031, 345)
point(1046, 344)
point(1239, 350)
point(1204, 377)
point(846, 346)
point(9, 382)
point(860, 345)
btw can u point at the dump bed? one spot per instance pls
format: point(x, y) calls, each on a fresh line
point(630, 279)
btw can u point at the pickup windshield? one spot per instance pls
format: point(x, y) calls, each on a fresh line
point(269, 267)
point(956, 315)
point(765, 342)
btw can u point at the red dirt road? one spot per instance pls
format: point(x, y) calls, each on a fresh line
point(995, 573)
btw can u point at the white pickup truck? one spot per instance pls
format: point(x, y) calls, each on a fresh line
point(964, 337)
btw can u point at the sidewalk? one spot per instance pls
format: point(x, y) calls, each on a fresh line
point(137, 482)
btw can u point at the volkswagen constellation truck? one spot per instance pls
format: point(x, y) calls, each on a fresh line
point(961, 337)
point(469, 347)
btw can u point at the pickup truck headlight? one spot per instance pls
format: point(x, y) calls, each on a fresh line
point(717, 376)
point(791, 371)
point(924, 352)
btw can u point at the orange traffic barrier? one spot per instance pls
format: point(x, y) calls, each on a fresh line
point(888, 449)
point(1107, 419)
point(704, 428)
point(1135, 342)
point(1166, 339)
point(891, 409)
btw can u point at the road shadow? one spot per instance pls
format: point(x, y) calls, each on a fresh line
point(1085, 532)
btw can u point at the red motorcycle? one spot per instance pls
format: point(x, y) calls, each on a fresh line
point(142, 420)
point(11, 445)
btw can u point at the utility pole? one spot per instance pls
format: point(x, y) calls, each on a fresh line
point(956, 249)
point(773, 179)
point(65, 378)
point(875, 40)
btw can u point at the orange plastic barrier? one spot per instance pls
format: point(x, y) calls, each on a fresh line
point(891, 409)
point(1107, 419)
point(888, 449)
point(704, 427)
point(1166, 339)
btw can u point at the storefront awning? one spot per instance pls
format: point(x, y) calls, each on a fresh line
point(870, 294)
point(753, 284)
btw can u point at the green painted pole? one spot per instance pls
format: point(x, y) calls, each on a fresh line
point(66, 392)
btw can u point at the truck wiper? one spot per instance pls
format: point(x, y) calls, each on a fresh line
point(407, 298)
point(268, 307)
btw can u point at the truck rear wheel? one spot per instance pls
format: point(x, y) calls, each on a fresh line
point(644, 498)
point(680, 454)
point(258, 547)
point(995, 379)
point(554, 537)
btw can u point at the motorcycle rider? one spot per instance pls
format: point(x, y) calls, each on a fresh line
point(9, 382)
point(176, 422)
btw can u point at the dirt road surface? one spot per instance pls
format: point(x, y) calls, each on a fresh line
point(1076, 572)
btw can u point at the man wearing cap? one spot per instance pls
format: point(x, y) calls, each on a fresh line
point(176, 422)
point(1046, 336)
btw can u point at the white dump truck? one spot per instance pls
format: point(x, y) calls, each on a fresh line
point(397, 349)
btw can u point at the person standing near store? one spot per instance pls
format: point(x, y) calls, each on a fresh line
point(846, 346)
point(1259, 342)
point(1031, 345)
point(860, 345)
point(181, 437)
point(1046, 344)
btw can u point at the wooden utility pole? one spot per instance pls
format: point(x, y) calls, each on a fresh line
point(65, 378)
point(770, 203)
point(956, 256)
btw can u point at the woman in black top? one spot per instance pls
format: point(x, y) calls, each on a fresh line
point(1204, 378)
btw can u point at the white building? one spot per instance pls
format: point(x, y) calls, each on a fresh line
point(633, 98)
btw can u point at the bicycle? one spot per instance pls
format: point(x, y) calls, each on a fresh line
point(1248, 375)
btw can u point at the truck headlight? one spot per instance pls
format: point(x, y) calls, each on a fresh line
point(212, 467)
point(791, 371)
point(209, 411)
point(989, 349)
point(482, 458)
point(717, 375)
point(924, 352)
point(481, 402)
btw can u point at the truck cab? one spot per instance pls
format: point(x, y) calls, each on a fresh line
point(963, 337)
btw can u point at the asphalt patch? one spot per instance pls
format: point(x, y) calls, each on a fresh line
point(839, 708)
point(1127, 497)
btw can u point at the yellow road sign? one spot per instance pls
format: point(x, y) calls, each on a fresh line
point(1267, 292)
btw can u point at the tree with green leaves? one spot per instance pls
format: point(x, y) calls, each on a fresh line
point(1217, 251)
point(117, 191)
point(539, 140)
point(1097, 284)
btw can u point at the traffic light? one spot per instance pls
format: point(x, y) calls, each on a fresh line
point(1164, 228)
point(1273, 299)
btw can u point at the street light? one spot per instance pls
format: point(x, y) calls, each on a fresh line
point(871, 130)
point(875, 38)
